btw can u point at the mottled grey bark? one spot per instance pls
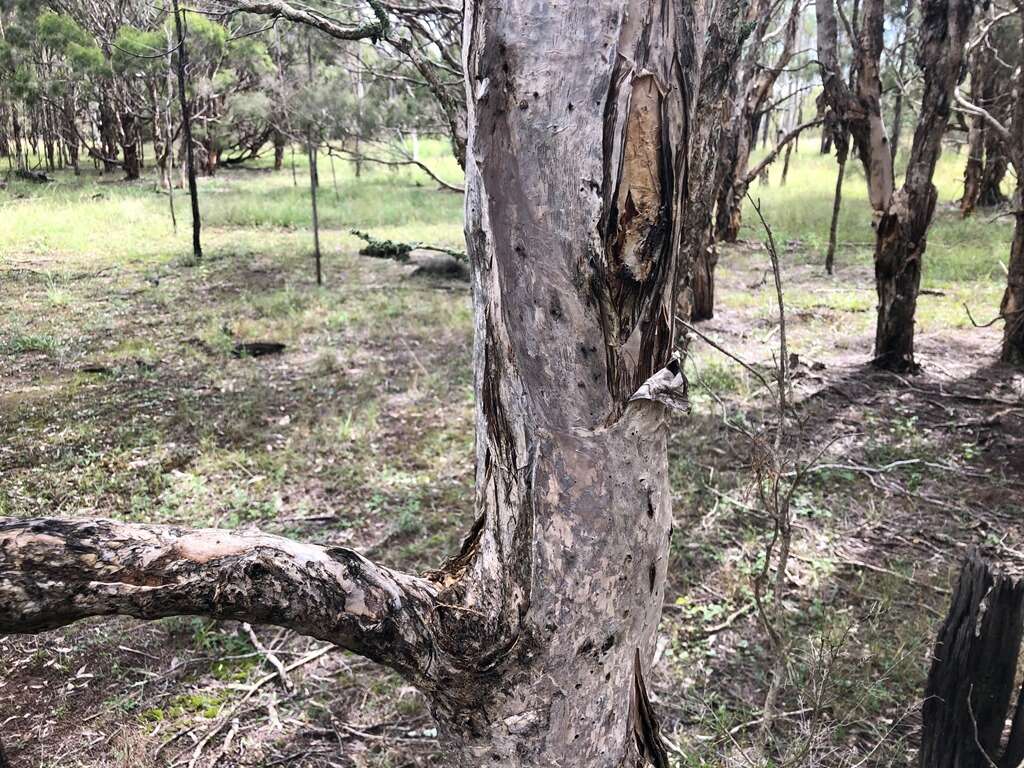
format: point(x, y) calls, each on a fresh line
point(531, 644)
point(575, 182)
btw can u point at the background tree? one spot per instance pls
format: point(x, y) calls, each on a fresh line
point(903, 225)
point(993, 57)
point(1011, 140)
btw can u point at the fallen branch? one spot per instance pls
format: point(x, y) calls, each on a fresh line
point(399, 251)
point(269, 656)
point(223, 719)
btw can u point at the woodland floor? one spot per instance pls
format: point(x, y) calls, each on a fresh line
point(119, 397)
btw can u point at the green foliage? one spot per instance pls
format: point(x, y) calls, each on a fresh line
point(59, 31)
point(137, 52)
point(64, 36)
point(383, 249)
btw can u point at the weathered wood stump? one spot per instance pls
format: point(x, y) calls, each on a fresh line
point(967, 698)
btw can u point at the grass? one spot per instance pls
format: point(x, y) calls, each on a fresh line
point(959, 251)
point(119, 397)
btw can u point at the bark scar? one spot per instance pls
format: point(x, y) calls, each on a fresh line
point(646, 730)
point(668, 387)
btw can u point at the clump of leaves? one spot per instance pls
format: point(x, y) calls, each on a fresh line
point(383, 249)
point(389, 249)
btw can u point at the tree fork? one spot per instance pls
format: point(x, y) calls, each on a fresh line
point(903, 225)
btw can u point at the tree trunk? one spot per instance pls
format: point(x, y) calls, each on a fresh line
point(980, 141)
point(279, 145)
point(532, 644)
point(130, 146)
point(971, 681)
point(1012, 307)
point(900, 235)
point(842, 152)
point(186, 130)
point(860, 111)
point(718, 59)
point(108, 134)
point(990, 193)
point(904, 44)
point(975, 166)
point(314, 174)
point(759, 82)
point(574, 489)
point(702, 283)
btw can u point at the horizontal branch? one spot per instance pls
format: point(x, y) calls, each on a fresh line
point(405, 161)
point(282, 10)
point(976, 111)
point(770, 157)
point(54, 572)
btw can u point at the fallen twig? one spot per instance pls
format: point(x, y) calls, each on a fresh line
point(275, 662)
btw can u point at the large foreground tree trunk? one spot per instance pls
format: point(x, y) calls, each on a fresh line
point(900, 235)
point(574, 305)
point(971, 681)
point(532, 644)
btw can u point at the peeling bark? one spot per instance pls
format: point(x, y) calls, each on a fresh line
point(532, 643)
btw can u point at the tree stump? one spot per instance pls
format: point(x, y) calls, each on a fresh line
point(967, 698)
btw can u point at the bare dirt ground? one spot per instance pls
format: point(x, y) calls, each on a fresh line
point(119, 397)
